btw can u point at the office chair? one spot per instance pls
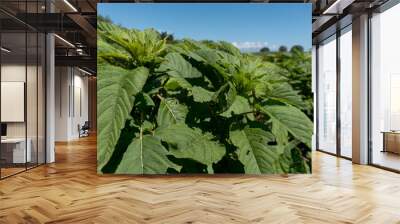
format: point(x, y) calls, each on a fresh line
point(84, 130)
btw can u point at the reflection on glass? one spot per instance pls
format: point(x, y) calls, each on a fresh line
point(385, 89)
point(41, 99)
point(346, 92)
point(327, 96)
point(22, 90)
point(15, 151)
point(31, 99)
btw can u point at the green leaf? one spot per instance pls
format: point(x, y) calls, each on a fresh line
point(144, 47)
point(280, 133)
point(229, 48)
point(145, 155)
point(291, 159)
point(147, 126)
point(144, 100)
point(183, 49)
point(170, 112)
point(192, 144)
point(284, 93)
point(176, 66)
point(212, 58)
point(292, 119)
point(274, 72)
point(113, 55)
point(208, 56)
point(253, 150)
point(240, 105)
point(229, 61)
point(175, 83)
point(201, 95)
point(116, 87)
point(225, 96)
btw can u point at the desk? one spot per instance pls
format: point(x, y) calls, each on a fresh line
point(16, 147)
point(391, 141)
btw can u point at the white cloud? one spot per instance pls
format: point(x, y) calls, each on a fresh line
point(250, 46)
point(274, 47)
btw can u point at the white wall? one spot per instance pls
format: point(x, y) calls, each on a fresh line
point(71, 87)
point(62, 82)
point(81, 84)
point(14, 72)
point(33, 126)
point(17, 73)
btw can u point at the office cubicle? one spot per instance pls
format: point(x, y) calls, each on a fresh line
point(22, 90)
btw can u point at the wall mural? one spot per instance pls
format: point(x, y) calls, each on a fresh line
point(171, 104)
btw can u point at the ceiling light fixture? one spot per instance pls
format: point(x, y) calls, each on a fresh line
point(70, 5)
point(333, 6)
point(5, 50)
point(337, 7)
point(86, 72)
point(64, 40)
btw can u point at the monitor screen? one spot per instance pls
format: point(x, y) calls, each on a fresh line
point(3, 129)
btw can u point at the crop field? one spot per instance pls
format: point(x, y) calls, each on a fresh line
point(168, 106)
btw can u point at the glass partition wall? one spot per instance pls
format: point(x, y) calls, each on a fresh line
point(13, 89)
point(22, 77)
point(334, 83)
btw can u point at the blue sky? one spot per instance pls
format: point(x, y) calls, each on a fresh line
point(248, 26)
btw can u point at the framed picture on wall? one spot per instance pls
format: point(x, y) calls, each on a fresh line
point(204, 88)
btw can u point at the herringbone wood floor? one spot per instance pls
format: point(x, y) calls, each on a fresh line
point(70, 191)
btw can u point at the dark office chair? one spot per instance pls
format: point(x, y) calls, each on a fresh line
point(84, 130)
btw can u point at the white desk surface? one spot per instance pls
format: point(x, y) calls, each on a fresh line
point(13, 140)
